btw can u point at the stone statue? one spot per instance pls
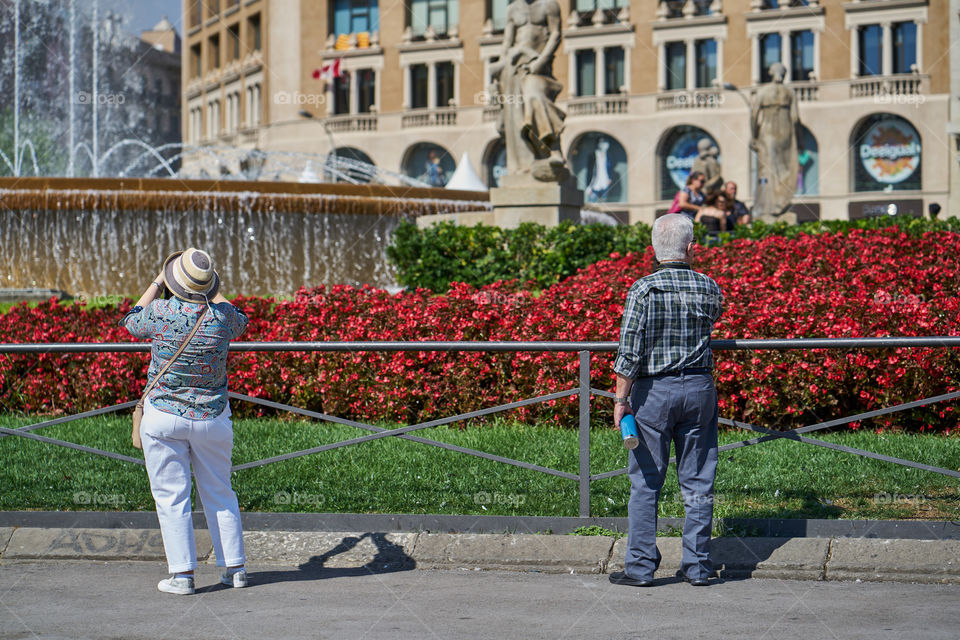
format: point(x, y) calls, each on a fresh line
point(708, 164)
point(526, 91)
point(774, 125)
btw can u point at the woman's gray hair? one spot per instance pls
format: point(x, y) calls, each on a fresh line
point(671, 235)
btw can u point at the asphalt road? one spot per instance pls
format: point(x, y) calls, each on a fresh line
point(85, 599)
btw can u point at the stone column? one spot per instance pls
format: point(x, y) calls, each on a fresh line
point(600, 75)
point(354, 92)
point(662, 67)
point(432, 85)
point(855, 52)
point(755, 56)
point(887, 64)
point(405, 70)
point(785, 55)
point(691, 64)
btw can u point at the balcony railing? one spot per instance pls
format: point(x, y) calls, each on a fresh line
point(906, 84)
point(696, 99)
point(441, 117)
point(806, 91)
point(354, 122)
point(598, 105)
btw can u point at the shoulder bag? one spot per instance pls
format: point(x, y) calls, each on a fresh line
point(138, 410)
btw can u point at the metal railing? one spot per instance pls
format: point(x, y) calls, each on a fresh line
point(583, 390)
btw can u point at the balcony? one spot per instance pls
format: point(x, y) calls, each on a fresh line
point(440, 117)
point(598, 105)
point(671, 9)
point(805, 91)
point(696, 99)
point(352, 123)
point(905, 84)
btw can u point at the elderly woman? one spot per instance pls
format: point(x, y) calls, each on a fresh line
point(186, 417)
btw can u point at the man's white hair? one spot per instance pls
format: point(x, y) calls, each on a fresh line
point(671, 235)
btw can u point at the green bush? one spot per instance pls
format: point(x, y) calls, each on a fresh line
point(540, 256)
point(432, 258)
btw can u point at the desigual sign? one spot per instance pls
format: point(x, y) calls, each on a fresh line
point(890, 151)
point(681, 154)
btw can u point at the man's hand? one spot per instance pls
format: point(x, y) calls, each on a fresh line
point(620, 410)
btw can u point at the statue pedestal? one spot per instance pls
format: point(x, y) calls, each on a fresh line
point(524, 200)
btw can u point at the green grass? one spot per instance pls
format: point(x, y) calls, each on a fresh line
point(780, 479)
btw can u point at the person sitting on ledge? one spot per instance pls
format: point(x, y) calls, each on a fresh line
point(713, 214)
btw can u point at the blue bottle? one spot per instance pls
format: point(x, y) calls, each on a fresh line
point(628, 429)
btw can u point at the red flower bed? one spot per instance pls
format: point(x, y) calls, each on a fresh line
point(838, 285)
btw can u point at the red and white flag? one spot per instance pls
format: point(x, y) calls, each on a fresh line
point(330, 70)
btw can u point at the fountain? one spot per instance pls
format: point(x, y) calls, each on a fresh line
point(98, 238)
point(274, 221)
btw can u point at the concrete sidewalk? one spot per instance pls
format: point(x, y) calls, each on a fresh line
point(836, 558)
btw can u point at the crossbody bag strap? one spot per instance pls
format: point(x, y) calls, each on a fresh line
point(183, 346)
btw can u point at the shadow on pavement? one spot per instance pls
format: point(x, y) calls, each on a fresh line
point(389, 558)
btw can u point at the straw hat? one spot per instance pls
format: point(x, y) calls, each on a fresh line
point(189, 275)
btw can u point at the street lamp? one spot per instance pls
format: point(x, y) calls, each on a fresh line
point(303, 113)
point(729, 86)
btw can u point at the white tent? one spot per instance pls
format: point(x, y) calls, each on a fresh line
point(465, 178)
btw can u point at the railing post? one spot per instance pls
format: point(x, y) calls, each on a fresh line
point(584, 434)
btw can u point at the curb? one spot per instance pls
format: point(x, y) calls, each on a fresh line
point(866, 559)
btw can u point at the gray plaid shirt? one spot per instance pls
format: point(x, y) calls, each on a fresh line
point(667, 321)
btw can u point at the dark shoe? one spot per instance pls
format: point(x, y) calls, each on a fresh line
point(619, 577)
point(696, 582)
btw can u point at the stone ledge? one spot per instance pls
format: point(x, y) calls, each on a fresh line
point(95, 544)
point(547, 553)
point(928, 561)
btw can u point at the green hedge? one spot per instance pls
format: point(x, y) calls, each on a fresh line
point(434, 257)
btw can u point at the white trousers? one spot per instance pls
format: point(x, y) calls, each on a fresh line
point(171, 445)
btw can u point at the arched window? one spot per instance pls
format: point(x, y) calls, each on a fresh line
point(495, 162)
point(885, 154)
point(599, 162)
point(808, 159)
point(355, 163)
point(429, 163)
point(676, 154)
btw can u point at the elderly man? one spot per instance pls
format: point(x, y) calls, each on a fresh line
point(664, 378)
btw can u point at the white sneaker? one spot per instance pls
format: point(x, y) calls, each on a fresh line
point(236, 579)
point(177, 586)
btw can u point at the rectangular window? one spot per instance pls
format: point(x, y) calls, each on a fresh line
point(253, 32)
point(355, 16)
point(586, 72)
point(196, 13)
point(771, 45)
point(904, 46)
point(439, 14)
point(418, 86)
point(366, 89)
point(233, 42)
point(341, 94)
point(801, 55)
point(871, 50)
point(706, 51)
point(196, 66)
point(613, 74)
point(676, 65)
point(497, 12)
point(444, 72)
point(213, 53)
